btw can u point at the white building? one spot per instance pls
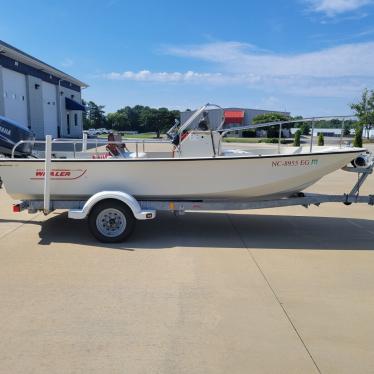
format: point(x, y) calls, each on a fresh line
point(39, 96)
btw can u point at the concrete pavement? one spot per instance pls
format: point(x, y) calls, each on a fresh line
point(271, 291)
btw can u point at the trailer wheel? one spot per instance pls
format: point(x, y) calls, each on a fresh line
point(111, 221)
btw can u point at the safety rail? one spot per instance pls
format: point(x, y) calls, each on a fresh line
point(313, 120)
point(96, 142)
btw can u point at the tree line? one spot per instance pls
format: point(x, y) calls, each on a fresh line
point(138, 118)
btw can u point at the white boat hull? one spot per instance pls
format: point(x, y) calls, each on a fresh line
point(245, 177)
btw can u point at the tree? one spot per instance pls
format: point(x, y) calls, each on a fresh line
point(357, 142)
point(273, 131)
point(303, 126)
point(86, 122)
point(296, 141)
point(118, 121)
point(95, 115)
point(321, 139)
point(336, 123)
point(364, 110)
point(142, 119)
point(305, 129)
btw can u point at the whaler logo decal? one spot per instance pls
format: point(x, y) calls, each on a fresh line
point(60, 174)
point(5, 131)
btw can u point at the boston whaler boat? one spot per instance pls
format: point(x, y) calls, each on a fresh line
point(111, 185)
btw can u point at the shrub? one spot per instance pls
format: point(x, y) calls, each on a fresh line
point(249, 134)
point(321, 139)
point(275, 141)
point(296, 141)
point(269, 140)
point(358, 137)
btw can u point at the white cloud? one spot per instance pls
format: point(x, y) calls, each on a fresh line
point(332, 8)
point(341, 71)
point(148, 76)
point(348, 59)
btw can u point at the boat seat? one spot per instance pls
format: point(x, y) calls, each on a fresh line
point(127, 154)
point(119, 149)
point(236, 152)
point(133, 155)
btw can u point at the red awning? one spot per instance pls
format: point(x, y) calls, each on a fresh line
point(234, 116)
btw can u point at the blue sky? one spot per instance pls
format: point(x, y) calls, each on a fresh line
point(310, 57)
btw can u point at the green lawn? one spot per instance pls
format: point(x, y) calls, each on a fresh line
point(241, 140)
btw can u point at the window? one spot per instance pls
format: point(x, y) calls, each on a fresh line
point(68, 123)
point(75, 119)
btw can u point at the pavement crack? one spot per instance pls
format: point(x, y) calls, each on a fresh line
point(281, 304)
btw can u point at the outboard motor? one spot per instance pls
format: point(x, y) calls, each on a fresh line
point(361, 161)
point(10, 134)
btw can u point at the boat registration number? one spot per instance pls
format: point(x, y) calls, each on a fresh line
point(291, 163)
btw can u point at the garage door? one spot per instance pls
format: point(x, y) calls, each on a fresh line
point(15, 96)
point(49, 109)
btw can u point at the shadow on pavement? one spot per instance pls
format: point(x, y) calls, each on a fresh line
point(222, 230)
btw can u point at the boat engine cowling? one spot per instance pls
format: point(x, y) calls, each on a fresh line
point(361, 161)
point(10, 134)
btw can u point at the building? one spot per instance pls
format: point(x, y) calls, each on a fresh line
point(39, 96)
point(231, 117)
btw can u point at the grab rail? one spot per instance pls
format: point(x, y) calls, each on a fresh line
point(97, 142)
point(280, 123)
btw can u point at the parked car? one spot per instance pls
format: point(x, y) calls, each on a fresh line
point(91, 133)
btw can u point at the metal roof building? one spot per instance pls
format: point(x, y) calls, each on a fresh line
point(39, 96)
point(231, 116)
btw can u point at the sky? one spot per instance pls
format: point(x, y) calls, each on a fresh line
point(309, 57)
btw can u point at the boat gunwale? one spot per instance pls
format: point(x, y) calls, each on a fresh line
point(221, 158)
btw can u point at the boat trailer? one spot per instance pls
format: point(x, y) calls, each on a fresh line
point(112, 214)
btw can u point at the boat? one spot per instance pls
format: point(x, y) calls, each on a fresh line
point(195, 166)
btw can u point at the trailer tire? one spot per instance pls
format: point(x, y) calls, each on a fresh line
point(111, 221)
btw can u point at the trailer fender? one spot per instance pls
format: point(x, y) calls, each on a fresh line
point(124, 197)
